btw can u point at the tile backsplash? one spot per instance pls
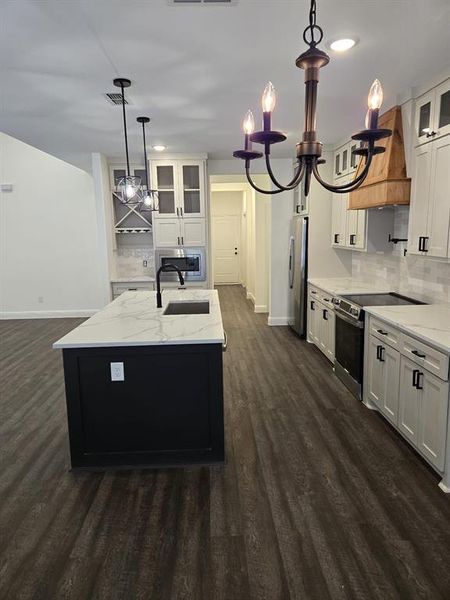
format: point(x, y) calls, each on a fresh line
point(416, 276)
point(130, 262)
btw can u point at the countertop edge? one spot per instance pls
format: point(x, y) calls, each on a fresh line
point(407, 329)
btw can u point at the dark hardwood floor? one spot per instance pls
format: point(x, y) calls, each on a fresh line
point(320, 498)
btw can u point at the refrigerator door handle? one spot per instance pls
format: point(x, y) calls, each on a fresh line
point(291, 261)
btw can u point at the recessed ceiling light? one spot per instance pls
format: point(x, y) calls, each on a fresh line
point(342, 45)
point(159, 148)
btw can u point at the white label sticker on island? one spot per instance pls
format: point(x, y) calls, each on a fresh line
point(117, 372)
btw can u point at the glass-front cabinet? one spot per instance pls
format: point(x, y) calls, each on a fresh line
point(181, 187)
point(432, 118)
point(164, 179)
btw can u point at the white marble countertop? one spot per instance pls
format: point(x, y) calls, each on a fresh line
point(135, 279)
point(347, 285)
point(133, 320)
point(428, 322)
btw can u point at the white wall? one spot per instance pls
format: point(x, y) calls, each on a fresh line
point(49, 247)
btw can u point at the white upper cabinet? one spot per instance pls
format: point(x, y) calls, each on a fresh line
point(192, 189)
point(429, 220)
point(432, 114)
point(181, 187)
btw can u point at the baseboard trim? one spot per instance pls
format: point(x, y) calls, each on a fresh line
point(261, 308)
point(251, 297)
point(275, 321)
point(48, 314)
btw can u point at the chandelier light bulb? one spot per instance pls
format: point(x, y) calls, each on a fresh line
point(147, 200)
point(375, 99)
point(269, 98)
point(248, 124)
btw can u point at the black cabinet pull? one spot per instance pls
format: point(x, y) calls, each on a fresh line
point(381, 332)
point(312, 305)
point(352, 239)
point(336, 238)
point(325, 314)
point(424, 248)
point(420, 244)
point(414, 379)
point(417, 353)
point(380, 350)
point(418, 383)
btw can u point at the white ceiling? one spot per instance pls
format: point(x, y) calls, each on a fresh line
point(196, 69)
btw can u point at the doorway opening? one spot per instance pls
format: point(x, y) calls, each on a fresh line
point(240, 238)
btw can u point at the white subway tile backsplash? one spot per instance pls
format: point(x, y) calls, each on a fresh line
point(130, 262)
point(415, 276)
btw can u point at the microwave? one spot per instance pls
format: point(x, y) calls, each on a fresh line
point(190, 261)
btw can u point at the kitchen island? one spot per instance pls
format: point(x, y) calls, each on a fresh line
point(144, 388)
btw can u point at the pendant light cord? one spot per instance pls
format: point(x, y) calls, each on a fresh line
point(125, 129)
point(147, 178)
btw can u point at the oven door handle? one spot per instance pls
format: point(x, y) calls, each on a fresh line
point(342, 315)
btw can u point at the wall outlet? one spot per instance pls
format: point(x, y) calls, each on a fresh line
point(117, 372)
point(144, 262)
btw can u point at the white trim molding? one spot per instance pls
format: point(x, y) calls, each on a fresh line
point(276, 321)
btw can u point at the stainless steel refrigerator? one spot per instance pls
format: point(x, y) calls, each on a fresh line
point(298, 274)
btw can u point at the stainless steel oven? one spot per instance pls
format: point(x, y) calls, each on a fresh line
point(349, 351)
point(190, 261)
point(349, 329)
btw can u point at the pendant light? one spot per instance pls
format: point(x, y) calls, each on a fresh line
point(128, 188)
point(150, 198)
point(309, 149)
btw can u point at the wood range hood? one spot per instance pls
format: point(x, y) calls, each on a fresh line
point(386, 183)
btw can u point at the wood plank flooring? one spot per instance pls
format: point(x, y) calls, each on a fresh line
point(320, 498)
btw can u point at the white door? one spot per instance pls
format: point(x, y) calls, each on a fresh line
point(390, 360)
point(164, 179)
point(432, 417)
point(442, 109)
point(339, 220)
point(226, 246)
point(375, 372)
point(313, 320)
point(166, 233)
point(420, 194)
point(409, 401)
point(439, 201)
point(328, 318)
point(193, 232)
point(192, 189)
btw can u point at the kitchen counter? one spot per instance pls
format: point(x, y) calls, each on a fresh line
point(133, 320)
point(135, 279)
point(347, 285)
point(430, 323)
point(144, 389)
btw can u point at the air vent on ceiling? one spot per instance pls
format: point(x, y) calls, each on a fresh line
point(116, 98)
point(202, 2)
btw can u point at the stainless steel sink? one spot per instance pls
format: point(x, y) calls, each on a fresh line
point(187, 307)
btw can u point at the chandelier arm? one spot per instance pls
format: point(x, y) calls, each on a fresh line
point(298, 175)
point(346, 187)
point(342, 189)
point(254, 186)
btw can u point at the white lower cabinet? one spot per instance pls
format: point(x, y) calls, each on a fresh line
point(383, 377)
point(321, 326)
point(412, 398)
point(423, 411)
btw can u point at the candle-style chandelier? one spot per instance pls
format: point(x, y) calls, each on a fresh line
point(309, 150)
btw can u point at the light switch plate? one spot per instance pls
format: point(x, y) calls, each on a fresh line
point(117, 371)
